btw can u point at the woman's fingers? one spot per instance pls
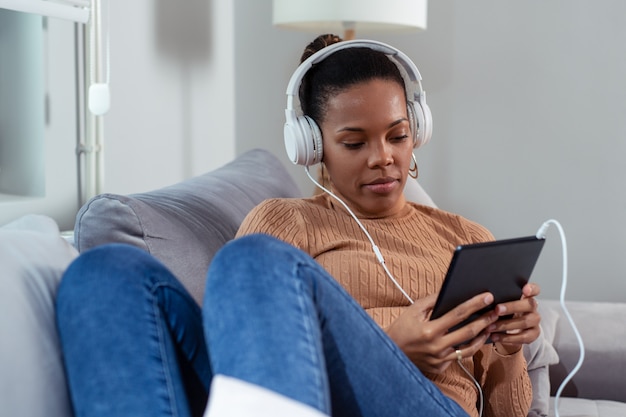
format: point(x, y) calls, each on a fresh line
point(523, 327)
point(464, 310)
point(468, 350)
point(531, 290)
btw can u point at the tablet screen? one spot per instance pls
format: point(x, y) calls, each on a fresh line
point(501, 267)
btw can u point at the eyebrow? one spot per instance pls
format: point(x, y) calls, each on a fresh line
point(358, 129)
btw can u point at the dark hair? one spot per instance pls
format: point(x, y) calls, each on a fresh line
point(318, 44)
point(339, 71)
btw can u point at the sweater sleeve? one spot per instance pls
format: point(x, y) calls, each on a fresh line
point(508, 386)
point(279, 218)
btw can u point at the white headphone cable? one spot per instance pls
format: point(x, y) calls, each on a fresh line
point(541, 235)
point(481, 399)
point(375, 248)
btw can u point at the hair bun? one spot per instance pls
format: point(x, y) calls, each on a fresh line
point(319, 43)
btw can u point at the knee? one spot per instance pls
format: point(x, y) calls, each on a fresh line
point(104, 271)
point(253, 252)
point(254, 263)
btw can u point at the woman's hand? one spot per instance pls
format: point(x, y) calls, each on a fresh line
point(509, 335)
point(428, 343)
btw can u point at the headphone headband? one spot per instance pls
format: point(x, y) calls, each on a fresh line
point(400, 57)
point(303, 138)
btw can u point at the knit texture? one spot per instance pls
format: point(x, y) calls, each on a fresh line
point(417, 245)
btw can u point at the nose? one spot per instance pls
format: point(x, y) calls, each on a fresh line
point(380, 155)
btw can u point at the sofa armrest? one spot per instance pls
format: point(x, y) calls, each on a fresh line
point(603, 372)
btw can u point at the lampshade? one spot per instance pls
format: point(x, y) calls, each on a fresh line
point(333, 16)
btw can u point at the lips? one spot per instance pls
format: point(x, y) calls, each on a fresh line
point(382, 185)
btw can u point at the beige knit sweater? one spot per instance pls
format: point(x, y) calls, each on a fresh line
point(417, 245)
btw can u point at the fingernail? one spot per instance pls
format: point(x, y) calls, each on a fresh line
point(488, 299)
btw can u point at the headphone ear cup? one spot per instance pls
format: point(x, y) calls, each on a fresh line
point(303, 141)
point(315, 149)
point(428, 123)
point(413, 123)
point(421, 123)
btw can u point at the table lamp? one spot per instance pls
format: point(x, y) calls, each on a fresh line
point(332, 16)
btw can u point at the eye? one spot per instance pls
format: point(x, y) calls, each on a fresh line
point(353, 145)
point(400, 138)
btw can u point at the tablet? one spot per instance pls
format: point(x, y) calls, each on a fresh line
point(501, 267)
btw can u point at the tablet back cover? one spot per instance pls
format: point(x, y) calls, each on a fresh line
point(501, 267)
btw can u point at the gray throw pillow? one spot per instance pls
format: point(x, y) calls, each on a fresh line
point(185, 224)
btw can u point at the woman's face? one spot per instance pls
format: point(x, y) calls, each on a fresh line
point(367, 147)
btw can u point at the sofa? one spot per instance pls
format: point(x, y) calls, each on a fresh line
point(184, 225)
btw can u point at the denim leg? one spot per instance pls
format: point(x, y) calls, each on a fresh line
point(132, 337)
point(275, 318)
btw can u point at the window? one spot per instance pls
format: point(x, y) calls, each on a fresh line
point(22, 105)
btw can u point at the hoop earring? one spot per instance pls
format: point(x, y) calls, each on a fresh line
point(413, 171)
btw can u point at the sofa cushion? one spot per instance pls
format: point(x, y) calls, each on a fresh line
point(33, 256)
point(582, 407)
point(185, 224)
point(539, 355)
point(602, 374)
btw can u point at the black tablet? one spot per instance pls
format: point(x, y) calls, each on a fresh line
point(501, 267)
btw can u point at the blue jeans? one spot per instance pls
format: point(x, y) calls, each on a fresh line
point(131, 337)
point(272, 316)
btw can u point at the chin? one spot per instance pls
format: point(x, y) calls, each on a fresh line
point(382, 207)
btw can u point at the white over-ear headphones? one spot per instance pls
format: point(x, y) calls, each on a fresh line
point(303, 137)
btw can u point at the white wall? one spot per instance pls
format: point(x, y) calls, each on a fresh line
point(527, 100)
point(172, 82)
point(265, 58)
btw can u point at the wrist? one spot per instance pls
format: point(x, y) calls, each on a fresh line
point(506, 350)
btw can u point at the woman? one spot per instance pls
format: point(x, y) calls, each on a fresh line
point(309, 313)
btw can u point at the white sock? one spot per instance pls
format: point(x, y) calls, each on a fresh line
point(232, 397)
